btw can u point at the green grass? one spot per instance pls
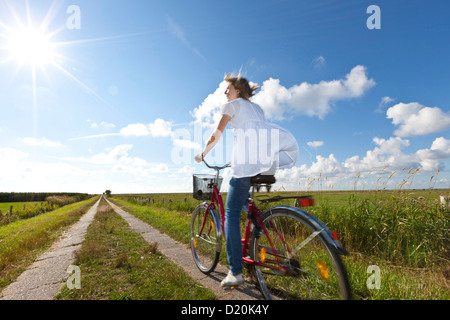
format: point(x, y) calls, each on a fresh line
point(22, 241)
point(118, 264)
point(406, 237)
point(4, 206)
point(23, 210)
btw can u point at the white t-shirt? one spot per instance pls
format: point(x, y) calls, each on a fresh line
point(259, 146)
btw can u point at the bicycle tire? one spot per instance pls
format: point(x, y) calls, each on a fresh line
point(313, 268)
point(207, 246)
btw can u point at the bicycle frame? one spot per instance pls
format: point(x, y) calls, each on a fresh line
point(253, 218)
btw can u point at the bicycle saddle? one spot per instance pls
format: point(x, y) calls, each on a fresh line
point(263, 179)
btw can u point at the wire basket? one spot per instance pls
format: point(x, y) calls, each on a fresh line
point(204, 186)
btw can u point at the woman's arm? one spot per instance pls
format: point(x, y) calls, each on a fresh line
point(214, 139)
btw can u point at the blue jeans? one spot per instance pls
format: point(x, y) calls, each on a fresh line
point(238, 194)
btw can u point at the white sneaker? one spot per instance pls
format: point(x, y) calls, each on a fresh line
point(232, 280)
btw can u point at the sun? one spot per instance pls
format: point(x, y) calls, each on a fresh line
point(28, 45)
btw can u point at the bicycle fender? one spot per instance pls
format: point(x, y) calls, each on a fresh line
point(315, 224)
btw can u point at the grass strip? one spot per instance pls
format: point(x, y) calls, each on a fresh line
point(22, 241)
point(118, 264)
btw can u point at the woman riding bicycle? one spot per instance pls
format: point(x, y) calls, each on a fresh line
point(259, 148)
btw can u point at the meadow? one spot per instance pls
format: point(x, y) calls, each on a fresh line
point(405, 233)
point(12, 211)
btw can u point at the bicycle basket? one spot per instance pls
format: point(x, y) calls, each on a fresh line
point(204, 186)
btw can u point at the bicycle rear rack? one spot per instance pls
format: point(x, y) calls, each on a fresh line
point(301, 201)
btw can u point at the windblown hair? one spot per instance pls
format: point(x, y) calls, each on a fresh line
point(242, 85)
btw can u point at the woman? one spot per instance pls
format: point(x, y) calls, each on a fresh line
point(259, 147)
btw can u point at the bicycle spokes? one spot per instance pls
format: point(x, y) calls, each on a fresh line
point(293, 262)
point(205, 239)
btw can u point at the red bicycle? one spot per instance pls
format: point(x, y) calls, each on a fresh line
point(290, 253)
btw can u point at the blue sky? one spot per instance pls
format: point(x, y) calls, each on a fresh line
point(126, 91)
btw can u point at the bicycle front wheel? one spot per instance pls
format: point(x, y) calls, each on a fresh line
point(205, 238)
point(295, 260)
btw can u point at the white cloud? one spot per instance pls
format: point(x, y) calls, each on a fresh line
point(119, 160)
point(137, 130)
point(415, 119)
point(117, 154)
point(19, 172)
point(279, 101)
point(101, 125)
point(10, 155)
point(319, 62)
point(315, 144)
point(187, 144)
point(40, 142)
point(383, 103)
point(160, 128)
point(311, 99)
point(430, 159)
point(386, 153)
point(207, 112)
point(159, 168)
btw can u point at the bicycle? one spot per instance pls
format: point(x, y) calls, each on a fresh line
point(291, 253)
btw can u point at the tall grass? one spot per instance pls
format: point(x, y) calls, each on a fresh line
point(401, 225)
point(12, 211)
point(391, 225)
point(402, 230)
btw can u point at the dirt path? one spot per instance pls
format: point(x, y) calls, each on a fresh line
point(48, 274)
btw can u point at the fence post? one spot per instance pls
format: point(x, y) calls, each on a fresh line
point(9, 215)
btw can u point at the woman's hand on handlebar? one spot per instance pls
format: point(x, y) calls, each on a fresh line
point(198, 158)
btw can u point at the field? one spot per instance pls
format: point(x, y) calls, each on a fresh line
point(5, 206)
point(12, 211)
point(404, 233)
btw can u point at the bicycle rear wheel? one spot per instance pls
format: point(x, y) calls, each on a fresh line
point(309, 266)
point(206, 238)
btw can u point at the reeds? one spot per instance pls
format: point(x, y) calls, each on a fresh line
point(394, 225)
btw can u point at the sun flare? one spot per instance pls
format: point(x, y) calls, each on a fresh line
point(30, 46)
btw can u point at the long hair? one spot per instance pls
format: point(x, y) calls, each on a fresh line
point(242, 85)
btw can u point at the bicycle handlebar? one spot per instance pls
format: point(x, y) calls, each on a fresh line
point(216, 167)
